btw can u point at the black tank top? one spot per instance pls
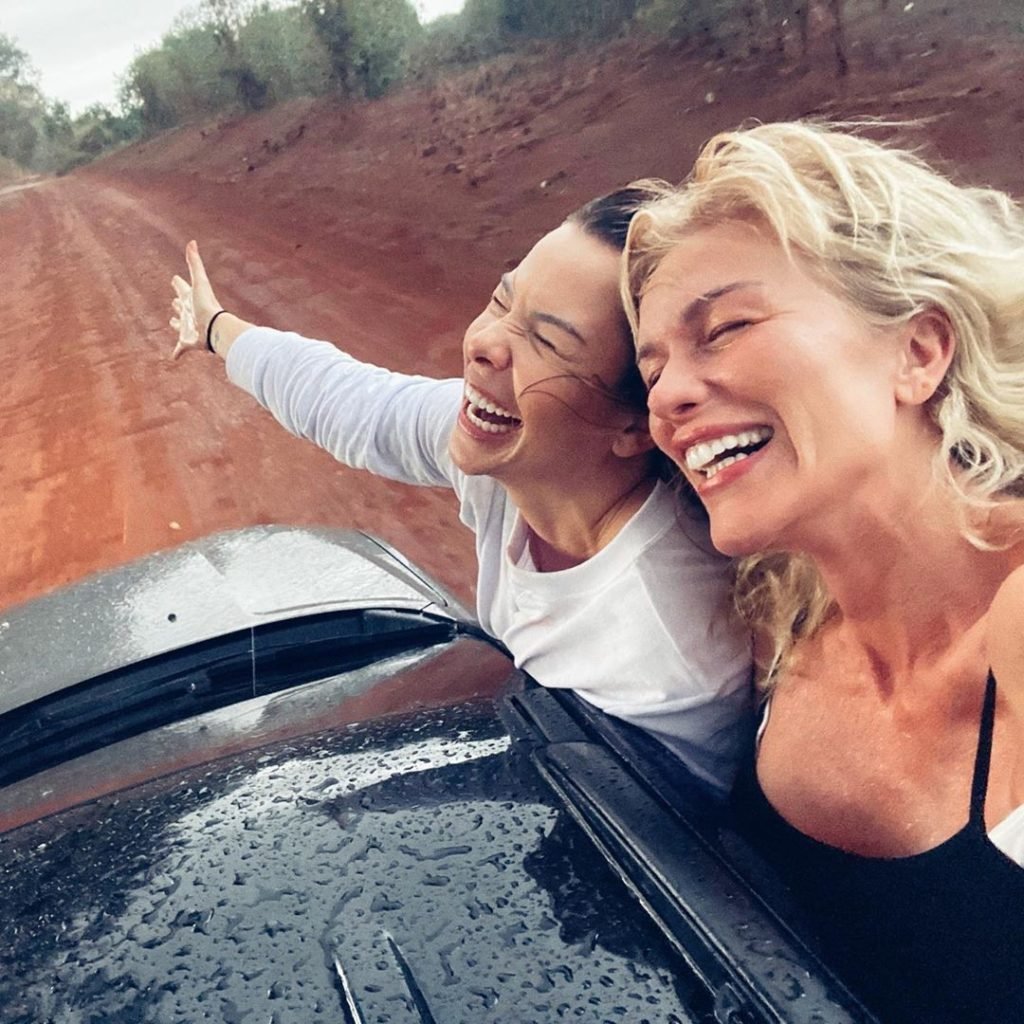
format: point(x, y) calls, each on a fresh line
point(934, 938)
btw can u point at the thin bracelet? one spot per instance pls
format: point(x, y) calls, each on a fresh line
point(209, 330)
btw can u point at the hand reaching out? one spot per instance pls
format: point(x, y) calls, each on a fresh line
point(194, 304)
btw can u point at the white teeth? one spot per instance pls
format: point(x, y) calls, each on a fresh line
point(486, 425)
point(697, 455)
point(479, 402)
point(701, 456)
point(719, 466)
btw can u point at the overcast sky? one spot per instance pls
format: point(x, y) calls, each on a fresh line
point(81, 46)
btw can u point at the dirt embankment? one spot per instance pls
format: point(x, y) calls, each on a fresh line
point(381, 226)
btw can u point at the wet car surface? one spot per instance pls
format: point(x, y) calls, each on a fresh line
point(395, 866)
point(334, 850)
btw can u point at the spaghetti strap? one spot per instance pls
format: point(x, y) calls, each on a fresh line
point(983, 758)
point(934, 936)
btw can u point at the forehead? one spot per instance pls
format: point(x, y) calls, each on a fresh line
point(569, 250)
point(705, 254)
point(572, 277)
point(707, 262)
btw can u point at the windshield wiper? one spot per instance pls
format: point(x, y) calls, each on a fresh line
point(204, 677)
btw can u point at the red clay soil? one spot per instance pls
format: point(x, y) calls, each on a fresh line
point(381, 226)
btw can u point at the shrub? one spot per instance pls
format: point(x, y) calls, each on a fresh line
point(366, 41)
point(548, 19)
point(285, 51)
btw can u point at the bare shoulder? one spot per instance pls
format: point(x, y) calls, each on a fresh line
point(1006, 632)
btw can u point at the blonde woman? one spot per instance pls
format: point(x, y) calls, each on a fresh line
point(832, 336)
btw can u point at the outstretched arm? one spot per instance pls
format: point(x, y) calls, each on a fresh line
point(393, 424)
point(195, 306)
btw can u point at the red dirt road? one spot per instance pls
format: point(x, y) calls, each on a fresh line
point(109, 450)
point(380, 226)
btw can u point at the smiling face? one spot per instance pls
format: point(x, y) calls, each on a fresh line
point(529, 416)
point(776, 400)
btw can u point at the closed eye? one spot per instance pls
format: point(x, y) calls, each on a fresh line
point(543, 342)
point(651, 379)
point(498, 303)
point(727, 328)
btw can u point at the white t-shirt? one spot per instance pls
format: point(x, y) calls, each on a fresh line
point(641, 630)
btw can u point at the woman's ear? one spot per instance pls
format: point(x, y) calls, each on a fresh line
point(928, 343)
point(634, 439)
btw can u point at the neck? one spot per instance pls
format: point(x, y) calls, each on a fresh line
point(570, 525)
point(908, 585)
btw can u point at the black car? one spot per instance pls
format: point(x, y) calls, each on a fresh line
point(279, 776)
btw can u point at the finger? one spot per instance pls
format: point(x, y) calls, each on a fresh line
point(185, 344)
point(176, 305)
point(175, 323)
point(181, 287)
point(196, 270)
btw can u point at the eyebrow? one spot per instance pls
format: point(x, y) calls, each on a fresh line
point(545, 318)
point(696, 310)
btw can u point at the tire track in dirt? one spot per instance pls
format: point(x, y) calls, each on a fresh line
point(50, 416)
point(109, 451)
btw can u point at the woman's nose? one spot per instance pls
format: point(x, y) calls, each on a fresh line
point(489, 344)
point(678, 391)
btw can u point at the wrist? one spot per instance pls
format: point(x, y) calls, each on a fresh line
point(209, 331)
point(226, 330)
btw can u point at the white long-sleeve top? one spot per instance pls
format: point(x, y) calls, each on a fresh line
point(640, 630)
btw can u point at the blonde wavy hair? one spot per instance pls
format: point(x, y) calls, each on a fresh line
point(892, 237)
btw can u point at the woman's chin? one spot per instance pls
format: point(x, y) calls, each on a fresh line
point(738, 541)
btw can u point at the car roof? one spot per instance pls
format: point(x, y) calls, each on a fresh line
point(230, 581)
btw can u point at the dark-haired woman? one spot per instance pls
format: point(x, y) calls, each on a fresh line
point(589, 571)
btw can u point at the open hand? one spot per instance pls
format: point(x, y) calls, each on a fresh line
point(194, 304)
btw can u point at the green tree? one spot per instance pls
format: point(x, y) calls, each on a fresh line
point(148, 89)
point(283, 48)
point(98, 128)
point(200, 67)
point(15, 65)
point(226, 19)
point(332, 22)
point(57, 122)
point(22, 107)
point(547, 19)
point(383, 31)
point(366, 41)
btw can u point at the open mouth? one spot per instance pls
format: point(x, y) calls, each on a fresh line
point(711, 457)
point(487, 415)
